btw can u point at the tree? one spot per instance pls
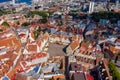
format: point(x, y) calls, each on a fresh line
point(1, 30)
point(44, 20)
point(113, 70)
point(39, 29)
point(5, 24)
point(43, 14)
point(1, 12)
point(108, 15)
point(50, 12)
point(40, 13)
point(36, 34)
point(18, 23)
point(25, 24)
point(5, 11)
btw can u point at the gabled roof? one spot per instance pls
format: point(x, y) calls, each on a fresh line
point(74, 44)
point(32, 35)
point(39, 43)
point(32, 48)
point(118, 41)
point(83, 46)
point(11, 42)
point(114, 49)
point(7, 33)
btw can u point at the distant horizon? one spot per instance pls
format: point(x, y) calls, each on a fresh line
point(17, 1)
point(29, 1)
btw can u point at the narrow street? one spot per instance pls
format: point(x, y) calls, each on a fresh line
point(67, 67)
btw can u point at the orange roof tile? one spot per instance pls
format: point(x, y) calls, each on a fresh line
point(39, 43)
point(58, 77)
point(118, 40)
point(32, 57)
point(32, 35)
point(11, 74)
point(11, 42)
point(32, 48)
point(83, 47)
point(74, 44)
point(113, 49)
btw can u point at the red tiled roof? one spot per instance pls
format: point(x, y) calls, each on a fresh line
point(74, 44)
point(32, 48)
point(11, 42)
point(83, 47)
point(22, 35)
point(11, 74)
point(32, 35)
point(118, 40)
point(39, 43)
point(32, 57)
point(6, 66)
point(38, 55)
point(113, 49)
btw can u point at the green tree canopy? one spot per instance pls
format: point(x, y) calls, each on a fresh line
point(44, 20)
point(43, 14)
point(40, 13)
point(36, 34)
point(3, 12)
point(18, 23)
point(108, 15)
point(25, 24)
point(6, 24)
point(1, 30)
point(39, 29)
point(113, 71)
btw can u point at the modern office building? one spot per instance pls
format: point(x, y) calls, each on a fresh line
point(117, 3)
point(91, 7)
point(13, 2)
